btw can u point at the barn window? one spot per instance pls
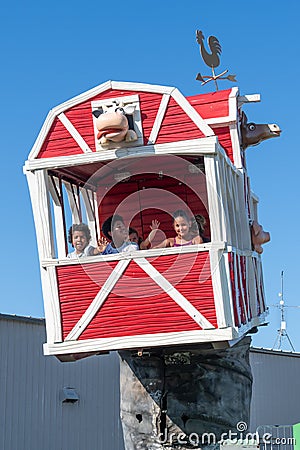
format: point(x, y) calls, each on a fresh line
point(138, 189)
point(70, 202)
point(144, 188)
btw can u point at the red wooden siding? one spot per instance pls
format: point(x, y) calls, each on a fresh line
point(191, 275)
point(59, 142)
point(177, 125)
point(224, 137)
point(215, 105)
point(129, 310)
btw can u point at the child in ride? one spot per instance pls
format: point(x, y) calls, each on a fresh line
point(184, 235)
point(79, 236)
point(144, 245)
point(114, 229)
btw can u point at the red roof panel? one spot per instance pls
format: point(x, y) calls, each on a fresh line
point(59, 142)
point(214, 104)
point(176, 124)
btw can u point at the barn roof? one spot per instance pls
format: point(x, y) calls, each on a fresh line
point(166, 116)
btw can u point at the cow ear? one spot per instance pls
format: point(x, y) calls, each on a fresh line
point(129, 109)
point(130, 121)
point(98, 112)
point(244, 119)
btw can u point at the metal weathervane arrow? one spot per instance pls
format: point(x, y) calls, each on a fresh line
point(211, 59)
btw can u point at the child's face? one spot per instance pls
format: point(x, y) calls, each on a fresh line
point(181, 227)
point(119, 233)
point(79, 241)
point(133, 237)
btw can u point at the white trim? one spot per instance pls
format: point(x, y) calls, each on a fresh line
point(141, 341)
point(232, 111)
point(244, 219)
point(58, 213)
point(222, 153)
point(74, 133)
point(192, 113)
point(215, 199)
point(220, 121)
point(215, 270)
point(247, 98)
point(39, 194)
point(258, 276)
point(133, 98)
point(236, 298)
point(254, 196)
point(83, 97)
point(38, 187)
point(233, 208)
point(74, 201)
point(232, 103)
point(153, 88)
point(91, 218)
point(169, 289)
point(51, 305)
point(255, 322)
point(42, 136)
point(97, 215)
point(222, 296)
point(236, 148)
point(247, 293)
point(137, 254)
point(159, 118)
point(227, 280)
point(199, 146)
point(114, 85)
point(98, 300)
point(221, 179)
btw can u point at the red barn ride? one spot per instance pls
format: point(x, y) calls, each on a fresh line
point(186, 153)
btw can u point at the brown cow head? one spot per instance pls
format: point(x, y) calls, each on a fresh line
point(255, 133)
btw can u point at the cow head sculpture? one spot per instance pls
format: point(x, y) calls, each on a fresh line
point(115, 124)
point(255, 133)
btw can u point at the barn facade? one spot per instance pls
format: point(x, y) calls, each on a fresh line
point(186, 154)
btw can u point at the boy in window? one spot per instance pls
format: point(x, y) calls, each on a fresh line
point(114, 229)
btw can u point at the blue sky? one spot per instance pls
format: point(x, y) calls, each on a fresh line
point(52, 53)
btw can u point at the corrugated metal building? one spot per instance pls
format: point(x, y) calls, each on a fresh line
point(33, 415)
point(276, 387)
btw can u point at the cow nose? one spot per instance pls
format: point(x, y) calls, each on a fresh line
point(274, 127)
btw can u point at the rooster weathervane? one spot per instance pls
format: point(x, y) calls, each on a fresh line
point(211, 59)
